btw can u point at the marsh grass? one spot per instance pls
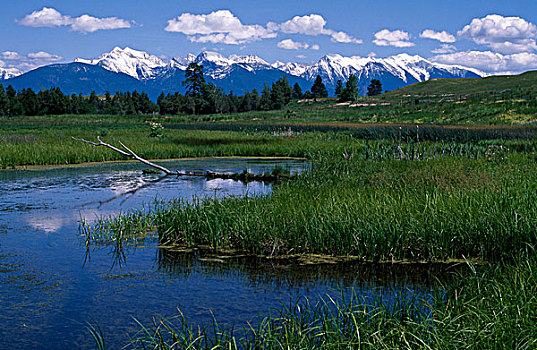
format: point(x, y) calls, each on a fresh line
point(493, 307)
point(47, 140)
point(449, 207)
point(435, 210)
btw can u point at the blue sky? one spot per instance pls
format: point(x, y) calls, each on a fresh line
point(494, 36)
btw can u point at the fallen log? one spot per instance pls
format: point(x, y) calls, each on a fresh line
point(129, 154)
point(244, 176)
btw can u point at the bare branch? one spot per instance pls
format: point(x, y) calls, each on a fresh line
point(207, 174)
point(156, 166)
point(129, 154)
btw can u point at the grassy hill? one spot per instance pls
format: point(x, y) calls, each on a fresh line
point(517, 85)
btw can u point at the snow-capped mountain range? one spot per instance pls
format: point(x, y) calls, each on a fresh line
point(141, 65)
point(240, 73)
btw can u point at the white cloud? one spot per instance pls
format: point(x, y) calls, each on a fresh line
point(446, 48)
point(46, 17)
point(302, 57)
point(224, 27)
point(314, 25)
point(310, 25)
point(502, 34)
point(289, 44)
point(89, 24)
point(491, 62)
point(372, 54)
point(315, 47)
point(28, 62)
point(43, 55)
point(396, 38)
point(217, 27)
point(10, 55)
point(442, 36)
point(342, 37)
point(49, 17)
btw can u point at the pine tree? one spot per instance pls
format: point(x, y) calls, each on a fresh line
point(297, 92)
point(194, 80)
point(194, 84)
point(350, 92)
point(318, 89)
point(339, 88)
point(29, 101)
point(265, 103)
point(3, 101)
point(281, 93)
point(374, 88)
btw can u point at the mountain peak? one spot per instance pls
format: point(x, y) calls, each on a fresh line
point(137, 64)
point(249, 59)
point(213, 57)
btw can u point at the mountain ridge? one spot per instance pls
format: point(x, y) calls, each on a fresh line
point(241, 73)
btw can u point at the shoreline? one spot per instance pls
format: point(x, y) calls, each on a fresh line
point(66, 166)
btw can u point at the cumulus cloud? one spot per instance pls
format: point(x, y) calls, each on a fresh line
point(218, 27)
point(50, 17)
point(43, 55)
point(396, 38)
point(491, 62)
point(342, 37)
point(28, 62)
point(10, 55)
point(224, 27)
point(442, 36)
point(315, 47)
point(289, 44)
point(46, 17)
point(310, 25)
point(315, 25)
point(502, 34)
point(89, 24)
point(446, 48)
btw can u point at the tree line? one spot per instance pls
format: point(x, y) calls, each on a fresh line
point(206, 98)
point(200, 98)
point(54, 102)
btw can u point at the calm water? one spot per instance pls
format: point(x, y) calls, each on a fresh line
point(50, 285)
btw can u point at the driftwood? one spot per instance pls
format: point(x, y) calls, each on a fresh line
point(129, 154)
point(244, 176)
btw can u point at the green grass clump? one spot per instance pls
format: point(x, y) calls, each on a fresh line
point(448, 208)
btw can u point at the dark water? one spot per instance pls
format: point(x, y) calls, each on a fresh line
point(51, 285)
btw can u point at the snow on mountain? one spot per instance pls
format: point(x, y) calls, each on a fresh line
point(143, 66)
point(250, 62)
point(213, 58)
point(214, 64)
point(182, 62)
point(334, 67)
point(137, 64)
point(459, 70)
point(403, 67)
point(7, 73)
point(218, 66)
point(394, 71)
point(292, 68)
